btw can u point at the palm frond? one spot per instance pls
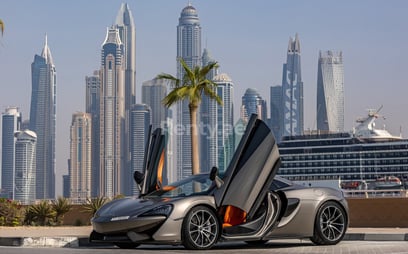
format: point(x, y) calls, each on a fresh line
point(206, 69)
point(1, 26)
point(189, 74)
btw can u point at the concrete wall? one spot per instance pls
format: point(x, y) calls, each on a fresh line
point(378, 212)
point(77, 217)
point(371, 212)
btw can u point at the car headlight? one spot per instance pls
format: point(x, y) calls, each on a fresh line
point(160, 210)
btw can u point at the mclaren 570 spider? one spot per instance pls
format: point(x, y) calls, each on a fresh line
point(247, 202)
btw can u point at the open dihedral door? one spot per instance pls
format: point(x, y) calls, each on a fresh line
point(244, 199)
point(154, 162)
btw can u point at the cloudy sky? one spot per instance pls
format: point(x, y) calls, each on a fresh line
point(248, 38)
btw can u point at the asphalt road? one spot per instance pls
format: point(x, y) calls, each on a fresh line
point(345, 247)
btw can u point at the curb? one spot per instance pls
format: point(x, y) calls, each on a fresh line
point(375, 237)
point(78, 242)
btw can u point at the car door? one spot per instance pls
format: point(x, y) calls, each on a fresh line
point(154, 161)
point(251, 171)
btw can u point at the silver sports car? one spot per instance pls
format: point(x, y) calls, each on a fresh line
point(247, 203)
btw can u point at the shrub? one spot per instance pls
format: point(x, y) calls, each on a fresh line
point(41, 214)
point(60, 206)
point(11, 212)
point(93, 204)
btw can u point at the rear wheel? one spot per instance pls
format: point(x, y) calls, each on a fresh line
point(127, 245)
point(330, 224)
point(201, 229)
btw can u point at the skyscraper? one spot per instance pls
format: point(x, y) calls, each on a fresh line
point(224, 118)
point(153, 92)
point(140, 120)
point(252, 103)
point(292, 91)
point(208, 123)
point(276, 120)
point(80, 156)
point(330, 92)
point(127, 33)
point(25, 159)
point(189, 49)
point(92, 105)
point(43, 120)
point(11, 124)
point(112, 116)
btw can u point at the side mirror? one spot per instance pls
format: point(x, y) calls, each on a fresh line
point(139, 177)
point(215, 178)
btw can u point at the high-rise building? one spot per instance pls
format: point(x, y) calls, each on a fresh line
point(208, 122)
point(292, 91)
point(127, 33)
point(153, 93)
point(330, 92)
point(189, 49)
point(252, 103)
point(112, 116)
point(80, 156)
point(65, 186)
point(224, 119)
point(25, 160)
point(11, 124)
point(43, 120)
point(276, 120)
point(140, 120)
point(92, 105)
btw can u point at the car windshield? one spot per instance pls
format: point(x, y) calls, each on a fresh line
point(193, 185)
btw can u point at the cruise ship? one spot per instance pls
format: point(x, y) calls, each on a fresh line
point(364, 158)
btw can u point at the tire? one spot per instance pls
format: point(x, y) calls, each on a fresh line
point(330, 224)
point(256, 243)
point(200, 229)
point(127, 245)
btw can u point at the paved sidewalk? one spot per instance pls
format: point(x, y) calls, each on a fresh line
point(65, 236)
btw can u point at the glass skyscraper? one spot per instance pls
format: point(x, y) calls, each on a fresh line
point(224, 127)
point(140, 120)
point(43, 120)
point(11, 123)
point(330, 92)
point(127, 33)
point(80, 156)
point(208, 123)
point(92, 105)
point(252, 103)
point(189, 49)
point(153, 92)
point(276, 120)
point(292, 91)
point(25, 160)
point(112, 116)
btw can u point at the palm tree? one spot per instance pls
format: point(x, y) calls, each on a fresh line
point(93, 204)
point(60, 206)
point(192, 87)
point(1, 26)
point(40, 213)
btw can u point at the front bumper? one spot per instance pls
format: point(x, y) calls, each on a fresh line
point(105, 225)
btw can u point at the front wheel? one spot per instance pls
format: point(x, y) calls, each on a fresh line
point(330, 224)
point(201, 229)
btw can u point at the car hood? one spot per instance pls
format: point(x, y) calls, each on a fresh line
point(130, 206)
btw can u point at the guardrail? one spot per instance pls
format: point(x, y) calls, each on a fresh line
point(375, 193)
